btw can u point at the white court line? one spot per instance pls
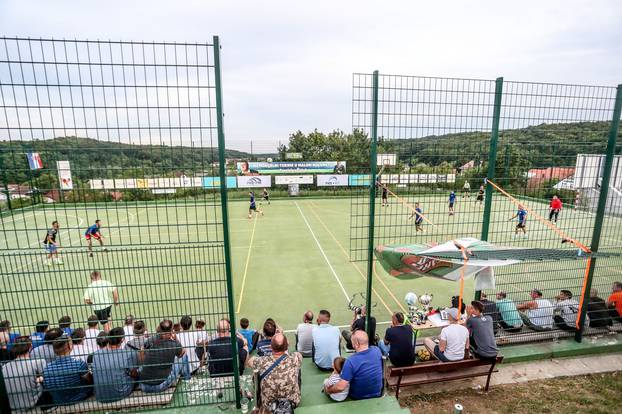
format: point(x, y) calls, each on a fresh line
point(323, 254)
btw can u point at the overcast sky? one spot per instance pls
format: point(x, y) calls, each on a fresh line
point(288, 66)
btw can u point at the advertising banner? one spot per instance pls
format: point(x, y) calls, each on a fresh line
point(333, 180)
point(256, 168)
point(214, 182)
point(64, 175)
point(293, 179)
point(358, 180)
point(255, 181)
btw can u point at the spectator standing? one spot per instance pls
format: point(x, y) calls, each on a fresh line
point(23, 378)
point(263, 345)
point(358, 324)
point(64, 323)
point(304, 335)
point(568, 310)
point(597, 311)
point(454, 339)
point(101, 295)
point(79, 349)
point(66, 378)
point(615, 301)
point(114, 369)
point(482, 336)
point(38, 336)
point(91, 333)
point(159, 369)
point(279, 375)
point(250, 335)
point(398, 342)
point(362, 372)
point(46, 351)
point(220, 361)
point(326, 340)
point(539, 312)
point(510, 319)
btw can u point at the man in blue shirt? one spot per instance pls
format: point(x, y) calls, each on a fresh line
point(67, 378)
point(5, 329)
point(114, 369)
point(253, 206)
point(93, 232)
point(326, 340)
point(452, 200)
point(418, 214)
point(37, 338)
point(362, 372)
point(522, 221)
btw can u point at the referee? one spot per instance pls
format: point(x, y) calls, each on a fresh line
point(101, 295)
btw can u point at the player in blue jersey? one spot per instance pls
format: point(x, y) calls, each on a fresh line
point(522, 221)
point(253, 206)
point(418, 214)
point(452, 201)
point(93, 232)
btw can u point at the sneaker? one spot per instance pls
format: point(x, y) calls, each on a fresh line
point(90, 254)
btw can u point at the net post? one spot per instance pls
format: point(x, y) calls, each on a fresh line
point(600, 210)
point(222, 172)
point(5, 184)
point(492, 161)
point(372, 200)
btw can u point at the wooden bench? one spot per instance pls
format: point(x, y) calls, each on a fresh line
point(437, 371)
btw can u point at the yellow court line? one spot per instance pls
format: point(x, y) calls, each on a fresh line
point(248, 259)
point(356, 266)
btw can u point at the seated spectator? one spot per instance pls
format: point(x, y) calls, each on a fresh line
point(597, 311)
point(91, 333)
point(263, 345)
point(334, 378)
point(614, 302)
point(358, 324)
point(23, 377)
point(220, 361)
point(190, 339)
point(453, 342)
point(137, 343)
point(490, 309)
point(455, 301)
point(326, 346)
point(46, 351)
point(304, 335)
point(539, 312)
point(250, 335)
point(114, 369)
point(102, 343)
point(510, 319)
point(568, 311)
point(5, 328)
point(128, 329)
point(79, 350)
point(38, 336)
point(279, 375)
point(66, 378)
point(398, 342)
point(176, 328)
point(159, 371)
point(5, 355)
point(362, 372)
point(64, 323)
point(481, 333)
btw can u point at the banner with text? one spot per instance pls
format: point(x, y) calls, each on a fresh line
point(214, 182)
point(256, 168)
point(255, 181)
point(293, 179)
point(64, 175)
point(333, 180)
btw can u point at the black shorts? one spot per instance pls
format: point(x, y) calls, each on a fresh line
point(480, 198)
point(266, 198)
point(103, 314)
point(520, 226)
point(253, 208)
point(451, 205)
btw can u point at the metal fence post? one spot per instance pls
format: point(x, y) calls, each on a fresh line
point(600, 210)
point(492, 163)
point(372, 200)
point(225, 218)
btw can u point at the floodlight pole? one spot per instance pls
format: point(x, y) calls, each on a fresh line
point(225, 220)
point(600, 210)
point(492, 163)
point(372, 201)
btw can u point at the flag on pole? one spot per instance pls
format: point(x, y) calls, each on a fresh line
point(34, 160)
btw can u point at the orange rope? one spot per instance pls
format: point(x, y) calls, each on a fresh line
point(409, 206)
point(464, 265)
point(583, 292)
point(541, 219)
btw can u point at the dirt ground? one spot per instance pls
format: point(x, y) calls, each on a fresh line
point(599, 393)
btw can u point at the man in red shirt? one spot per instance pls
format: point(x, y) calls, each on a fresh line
point(614, 302)
point(554, 208)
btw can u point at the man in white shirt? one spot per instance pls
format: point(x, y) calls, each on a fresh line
point(304, 335)
point(453, 342)
point(538, 312)
point(189, 340)
point(91, 333)
point(567, 311)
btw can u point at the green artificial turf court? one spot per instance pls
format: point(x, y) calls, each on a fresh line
point(167, 259)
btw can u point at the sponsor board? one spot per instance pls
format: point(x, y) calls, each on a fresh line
point(214, 182)
point(293, 179)
point(358, 180)
point(332, 180)
point(256, 168)
point(64, 175)
point(254, 181)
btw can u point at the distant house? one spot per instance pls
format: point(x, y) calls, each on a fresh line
point(116, 195)
point(17, 191)
point(52, 196)
point(537, 176)
point(467, 166)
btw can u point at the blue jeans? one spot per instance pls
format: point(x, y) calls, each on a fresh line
point(180, 367)
point(438, 354)
point(384, 348)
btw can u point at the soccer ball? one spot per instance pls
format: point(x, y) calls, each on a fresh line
point(411, 299)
